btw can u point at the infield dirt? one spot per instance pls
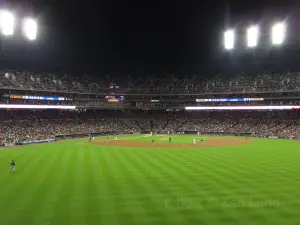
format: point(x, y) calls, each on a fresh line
point(205, 144)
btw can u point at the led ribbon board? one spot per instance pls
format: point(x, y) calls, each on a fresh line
point(11, 106)
point(229, 99)
point(31, 97)
point(260, 107)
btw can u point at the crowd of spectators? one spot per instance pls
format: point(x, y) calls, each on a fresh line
point(91, 83)
point(250, 127)
point(28, 130)
point(40, 125)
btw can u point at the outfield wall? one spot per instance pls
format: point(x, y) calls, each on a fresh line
point(36, 142)
point(216, 133)
point(83, 135)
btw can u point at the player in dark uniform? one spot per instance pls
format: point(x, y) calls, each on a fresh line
point(106, 139)
point(12, 166)
point(153, 141)
point(170, 140)
point(201, 141)
point(90, 139)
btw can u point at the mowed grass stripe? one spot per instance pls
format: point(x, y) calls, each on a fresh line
point(37, 189)
point(108, 203)
point(187, 195)
point(77, 184)
point(46, 211)
point(92, 194)
point(129, 199)
point(98, 205)
point(174, 187)
point(146, 207)
point(63, 210)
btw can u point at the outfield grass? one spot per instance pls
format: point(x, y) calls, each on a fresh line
point(76, 183)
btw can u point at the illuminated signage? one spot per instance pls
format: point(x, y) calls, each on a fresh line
point(31, 97)
point(229, 99)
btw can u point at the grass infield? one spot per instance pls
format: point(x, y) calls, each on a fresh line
point(75, 182)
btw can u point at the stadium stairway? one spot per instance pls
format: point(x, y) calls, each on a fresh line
point(166, 123)
point(232, 126)
point(124, 124)
point(180, 125)
point(138, 125)
point(277, 132)
point(152, 127)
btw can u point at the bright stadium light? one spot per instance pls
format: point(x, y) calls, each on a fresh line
point(11, 106)
point(229, 39)
point(252, 36)
point(260, 107)
point(278, 33)
point(7, 23)
point(30, 28)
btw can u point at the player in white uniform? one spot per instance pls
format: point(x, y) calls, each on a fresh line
point(117, 137)
point(194, 141)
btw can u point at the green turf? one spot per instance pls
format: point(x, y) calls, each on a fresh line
point(76, 183)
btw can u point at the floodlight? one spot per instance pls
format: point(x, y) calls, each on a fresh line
point(252, 36)
point(229, 39)
point(7, 22)
point(255, 107)
point(30, 28)
point(278, 33)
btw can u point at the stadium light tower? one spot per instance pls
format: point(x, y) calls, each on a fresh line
point(252, 36)
point(30, 28)
point(278, 33)
point(229, 38)
point(7, 23)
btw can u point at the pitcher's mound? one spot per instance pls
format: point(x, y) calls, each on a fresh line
point(206, 143)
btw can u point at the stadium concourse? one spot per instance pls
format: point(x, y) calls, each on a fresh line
point(29, 125)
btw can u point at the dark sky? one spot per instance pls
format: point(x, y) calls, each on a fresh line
point(125, 36)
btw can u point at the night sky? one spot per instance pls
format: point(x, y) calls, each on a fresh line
point(127, 36)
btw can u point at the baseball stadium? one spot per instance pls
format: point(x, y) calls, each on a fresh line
point(125, 115)
point(137, 155)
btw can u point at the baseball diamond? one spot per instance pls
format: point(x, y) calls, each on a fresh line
point(214, 142)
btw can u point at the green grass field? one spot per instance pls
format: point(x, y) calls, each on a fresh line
point(74, 182)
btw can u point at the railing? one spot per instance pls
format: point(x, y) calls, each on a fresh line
point(83, 135)
point(149, 91)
